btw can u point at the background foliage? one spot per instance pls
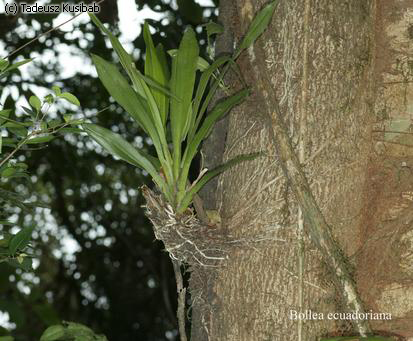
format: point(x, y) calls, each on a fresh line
point(118, 281)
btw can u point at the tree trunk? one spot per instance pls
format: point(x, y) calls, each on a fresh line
point(321, 61)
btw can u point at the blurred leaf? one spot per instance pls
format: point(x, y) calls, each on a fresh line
point(20, 240)
point(213, 28)
point(3, 64)
point(9, 171)
point(71, 130)
point(18, 64)
point(70, 98)
point(29, 111)
point(35, 103)
point(56, 90)
point(71, 331)
point(5, 239)
point(17, 130)
point(56, 332)
point(26, 265)
point(49, 99)
point(3, 115)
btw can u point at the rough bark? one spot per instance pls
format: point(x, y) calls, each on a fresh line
point(251, 297)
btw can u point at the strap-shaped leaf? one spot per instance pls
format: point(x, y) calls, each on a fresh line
point(201, 63)
point(164, 154)
point(182, 85)
point(164, 63)
point(155, 71)
point(219, 111)
point(157, 135)
point(124, 57)
point(136, 106)
point(117, 146)
point(18, 64)
point(213, 88)
point(257, 27)
point(203, 83)
point(210, 175)
point(119, 88)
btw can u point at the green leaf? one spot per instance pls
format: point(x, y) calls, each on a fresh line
point(53, 333)
point(124, 57)
point(162, 59)
point(40, 139)
point(21, 165)
point(67, 117)
point(203, 83)
point(6, 338)
point(20, 240)
point(29, 111)
point(201, 63)
point(35, 103)
point(119, 88)
point(213, 28)
point(1, 142)
point(151, 83)
point(258, 25)
point(56, 90)
point(3, 115)
point(135, 105)
point(17, 130)
point(3, 64)
point(8, 172)
point(54, 123)
point(70, 98)
point(137, 78)
point(18, 64)
point(49, 99)
point(70, 130)
point(117, 146)
point(155, 71)
point(210, 175)
point(182, 86)
point(218, 112)
point(127, 63)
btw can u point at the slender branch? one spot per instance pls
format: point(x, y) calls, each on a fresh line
point(181, 299)
point(18, 147)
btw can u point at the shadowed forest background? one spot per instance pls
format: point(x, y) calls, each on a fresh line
point(98, 262)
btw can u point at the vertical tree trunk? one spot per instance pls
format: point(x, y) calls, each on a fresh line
point(327, 97)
